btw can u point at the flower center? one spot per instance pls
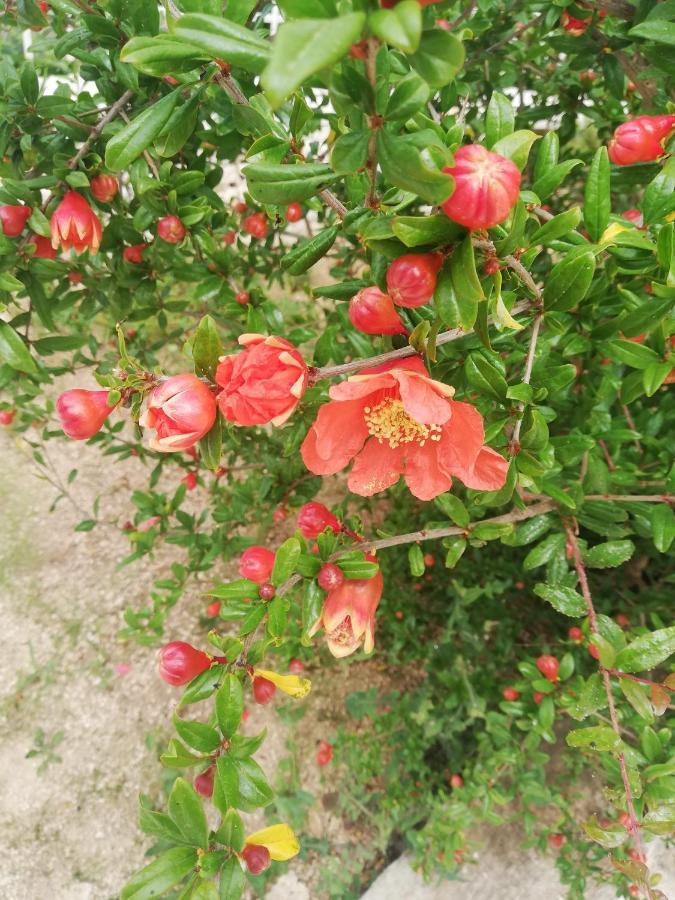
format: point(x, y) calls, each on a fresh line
point(388, 421)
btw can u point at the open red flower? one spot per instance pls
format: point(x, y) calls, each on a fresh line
point(263, 383)
point(348, 615)
point(395, 420)
point(75, 224)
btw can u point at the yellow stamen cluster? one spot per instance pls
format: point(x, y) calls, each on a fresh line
point(388, 421)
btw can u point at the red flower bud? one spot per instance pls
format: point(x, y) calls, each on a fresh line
point(324, 753)
point(75, 277)
point(296, 666)
point(330, 576)
point(593, 650)
point(242, 297)
point(180, 662)
point(267, 591)
point(104, 187)
point(82, 413)
point(373, 312)
point(399, 615)
point(263, 383)
point(575, 27)
point(456, 781)
point(442, 23)
point(256, 225)
point(538, 697)
point(190, 481)
point(134, 254)
point(239, 207)
point(203, 783)
point(181, 410)
point(7, 416)
point(510, 693)
point(556, 840)
point(429, 560)
point(359, 50)
point(491, 266)
point(256, 564)
point(293, 212)
point(622, 620)
point(213, 609)
point(548, 666)
point(43, 247)
point(229, 237)
point(171, 229)
point(14, 219)
point(575, 634)
point(75, 224)
point(411, 279)
point(263, 690)
point(486, 187)
point(147, 524)
point(314, 518)
point(640, 139)
point(257, 858)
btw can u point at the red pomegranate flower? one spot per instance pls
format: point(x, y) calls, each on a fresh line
point(373, 312)
point(134, 253)
point(263, 383)
point(14, 219)
point(75, 224)
point(486, 187)
point(348, 615)
point(575, 27)
point(640, 139)
point(395, 420)
point(43, 247)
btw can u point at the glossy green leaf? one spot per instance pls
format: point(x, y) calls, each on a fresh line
point(609, 555)
point(308, 252)
point(499, 119)
point(229, 705)
point(400, 26)
point(516, 146)
point(439, 57)
point(647, 651)
point(14, 352)
point(599, 737)
point(285, 560)
point(350, 152)
point(134, 138)
point(164, 54)
point(658, 30)
point(409, 96)
point(304, 47)
point(597, 200)
point(485, 377)
point(557, 227)
point(406, 163)
point(169, 869)
point(569, 280)
point(222, 39)
point(186, 811)
point(207, 348)
point(564, 599)
point(281, 184)
point(638, 699)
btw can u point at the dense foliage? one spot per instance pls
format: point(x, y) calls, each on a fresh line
point(487, 193)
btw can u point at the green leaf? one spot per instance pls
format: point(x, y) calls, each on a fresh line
point(516, 146)
point(229, 705)
point(499, 119)
point(597, 200)
point(647, 651)
point(281, 184)
point(312, 604)
point(231, 831)
point(400, 26)
point(207, 348)
point(197, 734)
point(304, 47)
point(590, 698)
point(544, 551)
point(635, 355)
point(609, 555)
point(557, 227)
point(569, 281)
point(350, 152)
point(547, 155)
point(9, 283)
point(409, 166)
point(663, 527)
point(485, 377)
point(659, 30)
point(463, 275)
point(409, 96)
point(210, 446)
point(418, 231)
point(164, 54)
point(554, 177)
point(285, 561)
point(232, 880)
point(659, 198)
point(455, 547)
point(609, 837)
point(306, 253)
point(253, 789)
point(226, 784)
point(180, 126)
point(160, 825)
point(439, 58)
point(638, 699)
point(134, 138)
point(566, 600)
point(599, 737)
point(453, 508)
point(222, 39)
point(14, 352)
point(416, 560)
point(170, 868)
point(186, 811)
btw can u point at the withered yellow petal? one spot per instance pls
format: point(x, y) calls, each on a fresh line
point(280, 840)
point(289, 684)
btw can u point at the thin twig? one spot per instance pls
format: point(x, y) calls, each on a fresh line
point(633, 824)
point(443, 338)
point(98, 128)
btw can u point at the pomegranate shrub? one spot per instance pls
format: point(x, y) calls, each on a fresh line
point(462, 422)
